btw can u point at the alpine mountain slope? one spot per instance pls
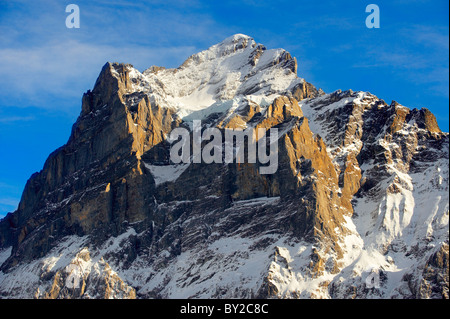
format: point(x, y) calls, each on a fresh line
point(358, 207)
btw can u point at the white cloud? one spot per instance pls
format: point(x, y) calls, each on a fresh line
point(9, 201)
point(67, 69)
point(43, 62)
point(11, 119)
point(423, 61)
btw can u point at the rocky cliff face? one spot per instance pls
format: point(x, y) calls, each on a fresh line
point(360, 191)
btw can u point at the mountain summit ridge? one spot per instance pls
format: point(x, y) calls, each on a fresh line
point(233, 68)
point(361, 191)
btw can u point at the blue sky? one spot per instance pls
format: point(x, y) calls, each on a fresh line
point(46, 67)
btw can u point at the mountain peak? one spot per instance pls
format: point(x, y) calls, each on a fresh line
point(236, 39)
point(231, 69)
point(360, 191)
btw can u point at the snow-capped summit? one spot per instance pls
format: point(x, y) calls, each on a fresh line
point(232, 69)
point(226, 47)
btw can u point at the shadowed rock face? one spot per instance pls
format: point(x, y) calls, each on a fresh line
point(112, 201)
